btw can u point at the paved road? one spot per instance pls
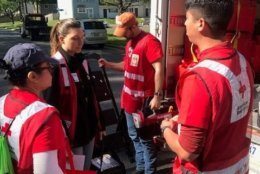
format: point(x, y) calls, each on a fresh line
point(10, 38)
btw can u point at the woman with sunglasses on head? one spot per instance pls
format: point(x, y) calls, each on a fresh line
point(32, 127)
point(71, 92)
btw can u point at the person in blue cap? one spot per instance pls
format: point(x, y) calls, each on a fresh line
point(33, 128)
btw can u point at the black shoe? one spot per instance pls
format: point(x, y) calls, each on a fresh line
point(140, 172)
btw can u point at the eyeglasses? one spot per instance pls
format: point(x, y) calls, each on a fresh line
point(49, 68)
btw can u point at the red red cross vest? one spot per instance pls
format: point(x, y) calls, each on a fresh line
point(227, 144)
point(24, 130)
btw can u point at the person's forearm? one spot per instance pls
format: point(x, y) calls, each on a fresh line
point(173, 142)
point(171, 139)
point(158, 77)
point(115, 66)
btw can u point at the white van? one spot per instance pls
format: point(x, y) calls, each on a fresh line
point(95, 32)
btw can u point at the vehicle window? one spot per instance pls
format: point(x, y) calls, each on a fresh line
point(94, 25)
point(35, 18)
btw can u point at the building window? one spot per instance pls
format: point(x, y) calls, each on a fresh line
point(90, 12)
point(130, 9)
point(136, 12)
point(46, 6)
point(147, 12)
point(81, 9)
point(114, 10)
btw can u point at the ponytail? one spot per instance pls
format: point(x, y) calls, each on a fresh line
point(54, 39)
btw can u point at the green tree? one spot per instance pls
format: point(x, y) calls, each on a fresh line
point(122, 5)
point(9, 8)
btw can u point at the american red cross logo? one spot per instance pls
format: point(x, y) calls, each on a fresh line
point(242, 89)
point(4, 129)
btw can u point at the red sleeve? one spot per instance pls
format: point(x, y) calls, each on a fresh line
point(192, 139)
point(50, 136)
point(154, 50)
point(195, 103)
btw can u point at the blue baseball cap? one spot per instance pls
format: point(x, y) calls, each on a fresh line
point(25, 55)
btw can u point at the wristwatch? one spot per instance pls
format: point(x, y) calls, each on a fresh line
point(159, 94)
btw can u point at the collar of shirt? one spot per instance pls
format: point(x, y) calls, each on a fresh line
point(139, 36)
point(220, 51)
point(73, 61)
point(20, 99)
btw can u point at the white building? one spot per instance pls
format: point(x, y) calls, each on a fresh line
point(87, 9)
point(78, 9)
point(139, 8)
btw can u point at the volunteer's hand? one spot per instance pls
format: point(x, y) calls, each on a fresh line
point(102, 134)
point(171, 123)
point(102, 62)
point(174, 118)
point(166, 122)
point(155, 103)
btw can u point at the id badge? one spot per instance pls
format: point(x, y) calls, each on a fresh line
point(75, 77)
point(134, 60)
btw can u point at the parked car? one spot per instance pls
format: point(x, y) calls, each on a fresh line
point(95, 32)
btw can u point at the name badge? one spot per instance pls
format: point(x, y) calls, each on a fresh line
point(75, 77)
point(134, 60)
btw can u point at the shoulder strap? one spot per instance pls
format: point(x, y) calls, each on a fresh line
point(7, 130)
point(3, 101)
point(64, 69)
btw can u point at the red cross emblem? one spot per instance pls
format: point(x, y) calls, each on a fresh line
point(4, 129)
point(242, 89)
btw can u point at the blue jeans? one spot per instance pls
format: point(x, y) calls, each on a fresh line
point(145, 153)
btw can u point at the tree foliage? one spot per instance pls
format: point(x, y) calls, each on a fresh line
point(122, 5)
point(9, 8)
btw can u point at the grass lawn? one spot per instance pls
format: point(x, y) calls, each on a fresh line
point(52, 23)
point(113, 40)
point(10, 25)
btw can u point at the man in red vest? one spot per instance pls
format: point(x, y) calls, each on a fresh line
point(143, 73)
point(214, 97)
